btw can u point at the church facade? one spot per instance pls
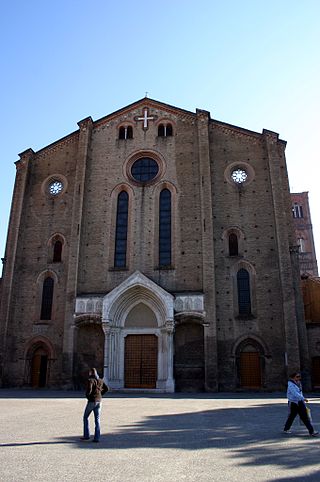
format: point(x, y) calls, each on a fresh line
point(157, 245)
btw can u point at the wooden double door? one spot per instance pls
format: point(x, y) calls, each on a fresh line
point(141, 361)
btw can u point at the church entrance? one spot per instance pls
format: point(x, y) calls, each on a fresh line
point(141, 361)
point(39, 367)
point(250, 370)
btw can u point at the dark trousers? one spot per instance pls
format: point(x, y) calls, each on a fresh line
point(298, 409)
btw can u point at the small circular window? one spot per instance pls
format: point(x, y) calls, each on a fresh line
point(239, 176)
point(55, 187)
point(144, 169)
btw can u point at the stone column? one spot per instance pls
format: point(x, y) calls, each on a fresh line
point(170, 380)
point(85, 129)
point(9, 260)
point(210, 342)
point(106, 330)
point(112, 355)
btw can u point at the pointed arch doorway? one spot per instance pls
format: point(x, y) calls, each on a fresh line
point(250, 356)
point(138, 322)
point(39, 368)
point(39, 355)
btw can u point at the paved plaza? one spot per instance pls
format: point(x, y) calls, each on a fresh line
point(179, 437)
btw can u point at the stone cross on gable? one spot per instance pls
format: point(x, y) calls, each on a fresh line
point(145, 118)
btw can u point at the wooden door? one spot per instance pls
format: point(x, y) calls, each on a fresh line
point(141, 361)
point(250, 370)
point(39, 367)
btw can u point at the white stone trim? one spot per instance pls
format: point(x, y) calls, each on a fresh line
point(137, 287)
point(189, 303)
point(116, 306)
point(88, 304)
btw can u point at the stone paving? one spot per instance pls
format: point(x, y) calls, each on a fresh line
point(180, 437)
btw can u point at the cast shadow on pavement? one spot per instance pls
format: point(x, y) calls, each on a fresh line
point(23, 444)
point(250, 436)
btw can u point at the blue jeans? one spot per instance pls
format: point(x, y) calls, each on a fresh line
point(94, 407)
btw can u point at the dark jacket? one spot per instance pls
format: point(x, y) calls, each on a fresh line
point(95, 389)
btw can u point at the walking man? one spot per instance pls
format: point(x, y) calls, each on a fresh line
point(94, 391)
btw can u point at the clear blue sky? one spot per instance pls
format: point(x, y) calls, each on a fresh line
point(251, 63)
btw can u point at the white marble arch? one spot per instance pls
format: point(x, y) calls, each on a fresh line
point(137, 289)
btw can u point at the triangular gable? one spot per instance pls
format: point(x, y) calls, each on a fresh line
point(145, 102)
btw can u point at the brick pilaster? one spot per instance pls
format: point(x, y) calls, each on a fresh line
point(85, 127)
point(279, 185)
point(210, 328)
point(9, 260)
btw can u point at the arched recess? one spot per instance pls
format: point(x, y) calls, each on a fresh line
point(189, 358)
point(141, 316)
point(141, 311)
point(233, 231)
point(250, 355)
point(56, 248)
point(137, 288)
point(39, 355)
point(89, 348)
point(235, 269)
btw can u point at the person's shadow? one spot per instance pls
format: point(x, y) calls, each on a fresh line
point(252, 436)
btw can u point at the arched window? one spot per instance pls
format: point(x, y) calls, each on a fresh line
point(57, 251)
point(122, 133)
point(129, 132)
point(125, 132)
point(47, 298)
point(165, 228)
point(120, 251)
point(165, 130)
point(233, 245)
point(244, 299)
point(169, 131)
point(161, 130)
